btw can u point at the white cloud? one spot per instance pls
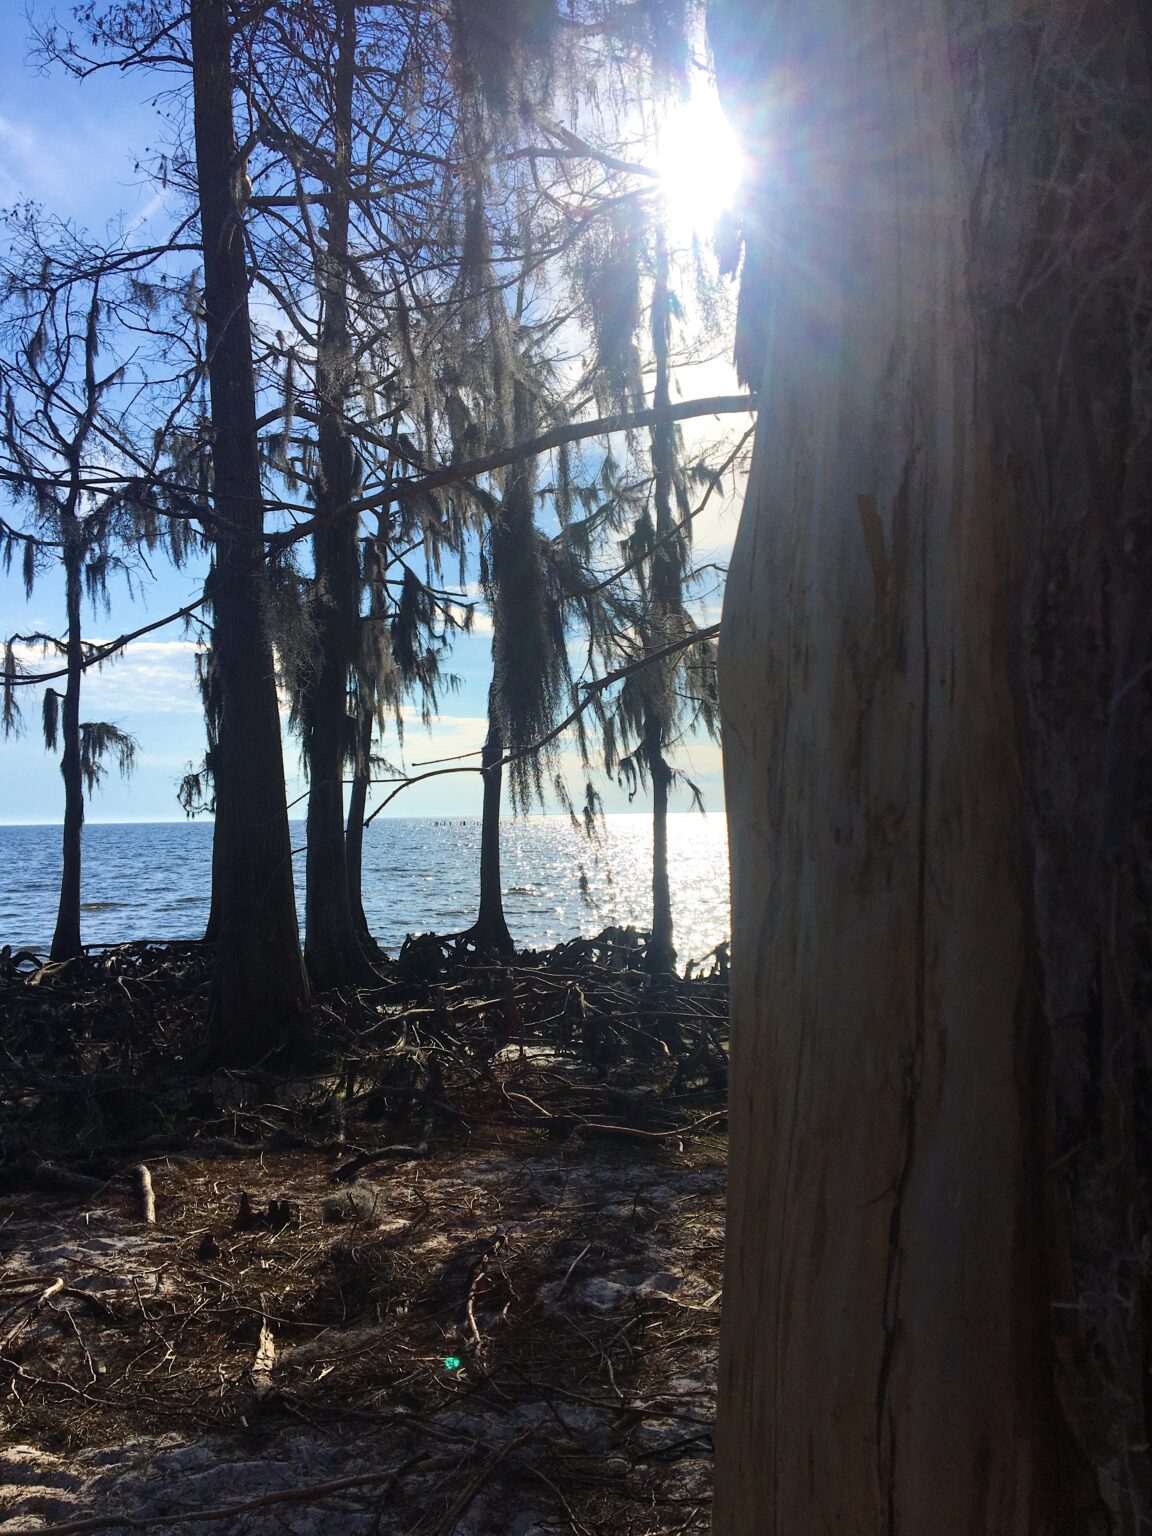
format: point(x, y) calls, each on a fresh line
point(150, 209)
point(19, 146)
point(701, 760)
point(150, 677)
point(708, 613)
point(455, 737)
point(47, 161)
point(451, 736)
point(472, 592)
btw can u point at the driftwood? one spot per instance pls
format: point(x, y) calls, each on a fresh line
point(145, 1195)
point(29, 1312)
point(49, 1175)
point(265, 1361)
point(349, 1170)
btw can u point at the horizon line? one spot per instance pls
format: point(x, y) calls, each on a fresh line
point(180, 821)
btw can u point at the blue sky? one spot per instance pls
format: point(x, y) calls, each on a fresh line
point(72, 146)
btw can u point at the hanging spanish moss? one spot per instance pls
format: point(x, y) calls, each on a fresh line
point(606, 273)
point(529, 650)
point(501, 45)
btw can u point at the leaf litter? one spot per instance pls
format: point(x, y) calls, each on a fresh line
point(453, 1269)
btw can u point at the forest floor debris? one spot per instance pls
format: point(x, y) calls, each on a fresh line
point(460, 1276)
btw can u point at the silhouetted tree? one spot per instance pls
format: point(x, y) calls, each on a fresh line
point(70, 453)
point(259, 987)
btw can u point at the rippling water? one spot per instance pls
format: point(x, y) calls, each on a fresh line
point(151, 881)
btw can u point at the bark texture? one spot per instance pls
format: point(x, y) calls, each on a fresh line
point(933, 1320)
point(259, 986)
point(334, 946)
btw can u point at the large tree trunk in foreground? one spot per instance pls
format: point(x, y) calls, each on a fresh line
point(934, 645)
point(258, 987)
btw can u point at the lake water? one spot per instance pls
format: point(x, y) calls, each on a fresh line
point(151, 881)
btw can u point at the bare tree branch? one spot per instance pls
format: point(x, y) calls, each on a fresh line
point(716, 405)
point(591, 691)
point(499, 458)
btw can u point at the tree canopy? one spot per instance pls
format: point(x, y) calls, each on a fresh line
point(409, 346)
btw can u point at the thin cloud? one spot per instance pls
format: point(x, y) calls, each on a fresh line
point(79, 166)
point(151, 677)
point(150, 209)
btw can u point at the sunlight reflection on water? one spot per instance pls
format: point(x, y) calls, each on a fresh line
point(151, 881)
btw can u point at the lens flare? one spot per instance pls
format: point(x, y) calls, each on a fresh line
point(699, 164)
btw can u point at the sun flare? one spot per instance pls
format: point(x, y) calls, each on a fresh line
point(699, 163)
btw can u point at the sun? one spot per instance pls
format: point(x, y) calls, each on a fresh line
point(699, 164)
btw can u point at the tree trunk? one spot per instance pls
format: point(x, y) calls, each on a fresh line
point(661, 956)
point(666, 619)
point(333, 946)
point(66, 944)
point(490, 930)
point(524, 653)
point(932, 612)
point(210, 696)
point(259, 988)
point(212, 926)
point(354, 832)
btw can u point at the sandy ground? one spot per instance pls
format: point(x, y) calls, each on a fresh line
point(505, 1336)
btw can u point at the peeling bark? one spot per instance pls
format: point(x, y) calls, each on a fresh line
point(936, 715)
